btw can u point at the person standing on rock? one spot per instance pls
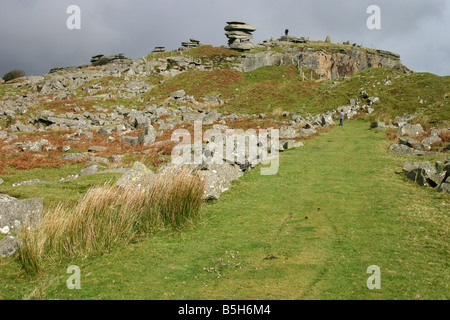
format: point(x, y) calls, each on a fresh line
point(342, 117)
point(286, 32)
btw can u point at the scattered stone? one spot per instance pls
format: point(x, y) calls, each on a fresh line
point(178, 94)
point(96, 149)
point(9, 246)
point(378, 126)
point(16, 213)
point(147, 137)
point(291, 144)
point(116, 158)
point(31, 182)
point(411, 130)
point(132, 141)
point(327, 120)
point(65, 148)
point(90, 170)
point(166, 126)
point(424, 174)
point(138, 176)
point(218, 179)
point(288, 133)
point(408, 141)
point(74, 156)
point(69, 178)
point(427, 143)
point(404, 150)
point(141, 122)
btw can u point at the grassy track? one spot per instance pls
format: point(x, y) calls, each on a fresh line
point(336, 207)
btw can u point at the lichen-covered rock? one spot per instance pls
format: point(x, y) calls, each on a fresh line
point(9, 246)
point(15, 214)
point(411, 130)
point(138, 176)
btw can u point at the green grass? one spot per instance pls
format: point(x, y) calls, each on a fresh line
point(369, 215)
point(67, 192)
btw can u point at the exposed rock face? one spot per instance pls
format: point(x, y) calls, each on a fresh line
point(239, 35)
point(328, 65)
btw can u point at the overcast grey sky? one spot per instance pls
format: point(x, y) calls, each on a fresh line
point(34, 36)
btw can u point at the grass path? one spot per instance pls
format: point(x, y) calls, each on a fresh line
point(336, 207)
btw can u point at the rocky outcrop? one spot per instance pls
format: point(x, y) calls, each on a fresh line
point(329, 64)
point(292, 39)
point(101, 59)
point(159, 50)
point(192, 43)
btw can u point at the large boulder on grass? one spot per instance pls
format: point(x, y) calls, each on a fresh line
point(218, 178)
point(423, 173)
point(378, 125)
point(411, 130)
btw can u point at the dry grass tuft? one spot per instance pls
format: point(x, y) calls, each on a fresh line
point(111, 216)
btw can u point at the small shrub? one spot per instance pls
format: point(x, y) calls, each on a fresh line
point(277, 113)
point(14, 74)
point(392, 134)
point(445, 136)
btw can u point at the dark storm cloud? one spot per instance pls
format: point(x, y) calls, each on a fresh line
point(34, 36)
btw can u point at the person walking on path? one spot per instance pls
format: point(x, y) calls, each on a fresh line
point(342, 117)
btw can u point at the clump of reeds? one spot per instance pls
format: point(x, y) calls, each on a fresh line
point(110, 216)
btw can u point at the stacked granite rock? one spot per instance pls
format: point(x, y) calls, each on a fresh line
point(101, 59)
point(159, 49)
point(293, 39)
point(239, 35)
point(192, 43)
